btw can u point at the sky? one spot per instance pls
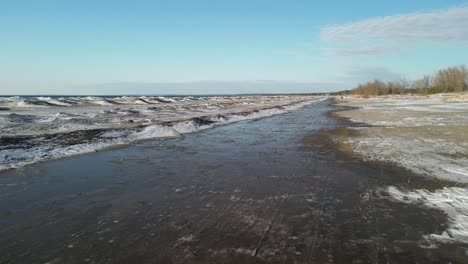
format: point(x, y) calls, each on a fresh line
point(220, 46)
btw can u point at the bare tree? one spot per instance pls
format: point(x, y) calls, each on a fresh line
point(423, 85)
point(452, 79)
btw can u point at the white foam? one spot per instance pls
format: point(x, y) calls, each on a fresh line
point(156, 131)
point(186, 127)
point(15, 158)
point(52, 101)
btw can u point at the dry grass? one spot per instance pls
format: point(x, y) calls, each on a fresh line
point(456, 97)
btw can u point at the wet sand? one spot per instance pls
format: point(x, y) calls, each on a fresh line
point(275, 190)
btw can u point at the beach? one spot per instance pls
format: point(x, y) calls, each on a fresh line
point(425, 135)
point(234, 132)
point(285, 188)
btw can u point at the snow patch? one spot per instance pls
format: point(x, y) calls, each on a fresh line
point(451, 200)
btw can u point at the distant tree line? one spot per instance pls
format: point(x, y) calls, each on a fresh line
point(452, 79)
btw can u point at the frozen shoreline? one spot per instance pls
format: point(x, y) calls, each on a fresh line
point(451, 200)
point(279, 181)
point(425, 135)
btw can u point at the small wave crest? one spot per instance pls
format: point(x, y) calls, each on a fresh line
point(64, 133)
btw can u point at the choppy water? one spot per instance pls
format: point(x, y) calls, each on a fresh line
point(34, 129)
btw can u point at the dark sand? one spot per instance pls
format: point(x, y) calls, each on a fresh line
point(276, 190)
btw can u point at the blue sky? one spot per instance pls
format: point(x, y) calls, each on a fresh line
point(192, 47)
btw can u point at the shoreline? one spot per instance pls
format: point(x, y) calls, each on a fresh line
point(447, 194)
point(105, 138)
point(341, 138)
point(273, 190)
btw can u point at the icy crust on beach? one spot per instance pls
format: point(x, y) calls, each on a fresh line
point(438, 158)
point(426, 136)
point(37, 129)
point(410, 112)
point(451, 200)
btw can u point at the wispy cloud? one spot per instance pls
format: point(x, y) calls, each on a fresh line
point(401, 34)
point(364, 51)
point(438, 25)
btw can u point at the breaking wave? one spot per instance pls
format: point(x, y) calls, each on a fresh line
point(33, 132)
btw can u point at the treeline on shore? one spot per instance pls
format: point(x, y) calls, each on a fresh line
point(452, 79)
